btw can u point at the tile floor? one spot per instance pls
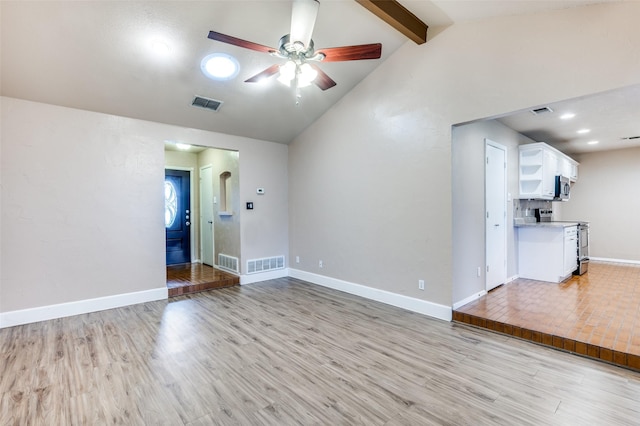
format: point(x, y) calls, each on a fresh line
point(596, 314)
point(194, 277)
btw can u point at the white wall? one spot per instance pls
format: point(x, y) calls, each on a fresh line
point(606, 195)
point(82, 202)
point(468, 175)
point(78, 190)
point(370, 181)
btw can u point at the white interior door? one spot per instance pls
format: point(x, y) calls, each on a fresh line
point(496, 214)
point(206, 216)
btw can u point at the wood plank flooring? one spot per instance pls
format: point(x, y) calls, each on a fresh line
point(287, 352)
point(195, 277)
point(596, 314)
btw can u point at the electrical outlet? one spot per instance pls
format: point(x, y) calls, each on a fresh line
point(320, 264)
point(420, 284)
point(297, 259)
point(479, 271)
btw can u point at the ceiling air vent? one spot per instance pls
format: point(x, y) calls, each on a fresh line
point(207, 103)
point(630, 138)
point(542, 110)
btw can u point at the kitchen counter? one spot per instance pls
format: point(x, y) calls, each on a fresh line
point(545, 224)
point(547, 251)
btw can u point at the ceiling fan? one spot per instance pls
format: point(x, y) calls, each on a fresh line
point(300, 68)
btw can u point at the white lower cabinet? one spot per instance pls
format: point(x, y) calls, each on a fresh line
point(547, 252)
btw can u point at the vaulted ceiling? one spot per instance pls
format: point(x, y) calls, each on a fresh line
point(98, 56)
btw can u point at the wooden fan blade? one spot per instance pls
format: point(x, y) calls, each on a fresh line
point(351, 53)
point(272, 70)
point(239, 42)
point(323, 81)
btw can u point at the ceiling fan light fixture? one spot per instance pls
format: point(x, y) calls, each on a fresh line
point(287, 73)
point(306, 74)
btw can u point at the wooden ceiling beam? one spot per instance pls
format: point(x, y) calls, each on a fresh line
point(396, 15)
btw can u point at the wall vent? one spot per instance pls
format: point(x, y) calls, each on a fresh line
point(255, 266)
point(228, 263)
point(543, 110)
point(212, 104)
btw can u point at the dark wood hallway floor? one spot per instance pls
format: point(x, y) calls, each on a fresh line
point(194, 277)
point(595, 315)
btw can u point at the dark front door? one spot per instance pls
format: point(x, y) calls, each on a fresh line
point(177, 217)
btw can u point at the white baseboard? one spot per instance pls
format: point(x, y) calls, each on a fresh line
point(43, 313)
point(469, 299)
point(405, 302)
point(605, 259)
point(264, 276)
point(511, 279)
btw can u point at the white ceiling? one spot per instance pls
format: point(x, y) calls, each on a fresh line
point(96, 56)
point(611, 117)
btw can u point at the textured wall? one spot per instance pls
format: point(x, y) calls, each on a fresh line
point(370, 181)
point(606, 194)
point(82, 202)
point(468, 171)
point(80, 192)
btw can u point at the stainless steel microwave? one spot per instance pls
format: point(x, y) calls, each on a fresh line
point(563, 188)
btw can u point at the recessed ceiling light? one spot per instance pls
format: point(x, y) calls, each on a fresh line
point(220, 66)
point(567, 116)
point(183, 146)
point(592, 142)
point(583, 131)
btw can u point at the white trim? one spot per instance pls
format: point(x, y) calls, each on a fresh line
point(264, 276)
point(604, 259)
point(200, 192)
point(192, 231)
point(424, 307)
point(469, 299)
point(44, 313)
point(478, 295)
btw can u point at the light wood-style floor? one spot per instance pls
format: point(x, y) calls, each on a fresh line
point(286, 352)
point(596, 314)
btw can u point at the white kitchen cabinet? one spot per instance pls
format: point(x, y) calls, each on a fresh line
point(547, 252)
point(568, 167)
point(538, 167)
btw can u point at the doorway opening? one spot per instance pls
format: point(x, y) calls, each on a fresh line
point(198, 233)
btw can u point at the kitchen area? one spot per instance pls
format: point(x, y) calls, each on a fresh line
point(548, 250)
point(572, 252)
point(561, 296)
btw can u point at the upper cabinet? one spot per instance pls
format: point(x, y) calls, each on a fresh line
point(539, 166)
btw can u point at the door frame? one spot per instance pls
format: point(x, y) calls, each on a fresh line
point(213, 242)
point(194, 257)
point(493, 144)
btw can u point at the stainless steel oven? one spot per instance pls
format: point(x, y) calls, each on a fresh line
point(583, 248)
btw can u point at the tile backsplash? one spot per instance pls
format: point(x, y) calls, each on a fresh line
point(524, 208)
